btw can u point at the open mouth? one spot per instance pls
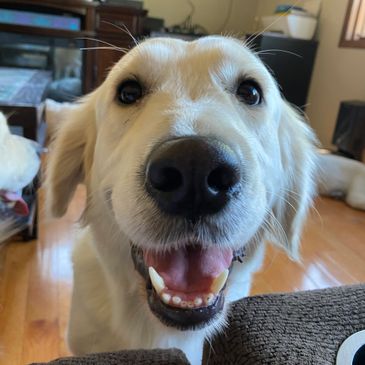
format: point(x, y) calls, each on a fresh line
point(14, 202)
point(185, 286)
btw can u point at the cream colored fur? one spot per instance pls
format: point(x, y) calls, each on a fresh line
point(190, 91)
point(19, 163)
point(342, 177)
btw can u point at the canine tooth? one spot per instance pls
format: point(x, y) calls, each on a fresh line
point(198, 301)
point(156, 280)
point(176, 299)
point(166, 298)
point(209, 298)
point(219, 282)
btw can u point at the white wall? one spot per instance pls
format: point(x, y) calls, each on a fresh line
point(267, 7)
point(209, 13)
point(339, 73)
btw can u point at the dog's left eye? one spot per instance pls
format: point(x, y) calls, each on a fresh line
point(249, 92)
point(129, 92)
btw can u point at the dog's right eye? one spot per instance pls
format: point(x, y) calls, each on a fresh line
point(249, 92)
point(129, 92)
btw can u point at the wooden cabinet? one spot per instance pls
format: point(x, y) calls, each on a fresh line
point(117, 26)
point(99, 21)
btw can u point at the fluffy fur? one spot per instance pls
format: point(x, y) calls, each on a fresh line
point(190, 91)
point(19, 160)
point(19, 163)
point(341, 177)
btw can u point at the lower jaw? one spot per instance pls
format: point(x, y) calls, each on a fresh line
point(185, 319)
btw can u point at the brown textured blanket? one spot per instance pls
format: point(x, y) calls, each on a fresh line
point(131, 357)
point(278, 329)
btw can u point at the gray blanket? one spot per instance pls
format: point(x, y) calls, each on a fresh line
point(297, 328)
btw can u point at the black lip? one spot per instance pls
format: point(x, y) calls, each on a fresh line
point(180, 318)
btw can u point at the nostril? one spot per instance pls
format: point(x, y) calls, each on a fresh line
point(192, 176)
point(165, 179)
point(222, 179)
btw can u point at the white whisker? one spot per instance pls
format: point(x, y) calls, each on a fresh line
point(124, 30)
point(105, 42)
point(102, 48)
point(265, 51)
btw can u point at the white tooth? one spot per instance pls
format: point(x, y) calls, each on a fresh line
point(209, 298)
point(176, 300)
point(198, 301)
point(219, 282)
point(190, 304)
point(156, 280)
point(183, 304)
point(166, 298)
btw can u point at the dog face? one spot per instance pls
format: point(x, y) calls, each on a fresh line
point(191, 152)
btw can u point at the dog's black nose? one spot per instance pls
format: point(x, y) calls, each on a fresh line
point(192, 176)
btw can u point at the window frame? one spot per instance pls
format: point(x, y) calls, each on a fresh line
point(360, 43)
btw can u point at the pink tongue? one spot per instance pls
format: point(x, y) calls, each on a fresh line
point(20, 207)
point(190, 269)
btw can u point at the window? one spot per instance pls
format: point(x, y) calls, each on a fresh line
point(353, 32)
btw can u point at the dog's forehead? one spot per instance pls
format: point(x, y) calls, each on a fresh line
point(208, 54)
point(212, 48)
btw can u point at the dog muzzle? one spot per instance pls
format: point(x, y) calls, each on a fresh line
point(185, 286)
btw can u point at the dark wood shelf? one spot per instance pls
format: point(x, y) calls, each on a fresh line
point(96, 22)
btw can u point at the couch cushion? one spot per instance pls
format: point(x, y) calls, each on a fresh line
point(130, 357)
point(297, 328)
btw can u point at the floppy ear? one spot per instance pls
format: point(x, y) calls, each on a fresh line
point(298, 157)
point(71, 156)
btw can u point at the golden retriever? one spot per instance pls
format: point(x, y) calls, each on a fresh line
point(191, 159)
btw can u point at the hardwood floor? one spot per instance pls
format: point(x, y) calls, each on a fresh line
point(36, 277)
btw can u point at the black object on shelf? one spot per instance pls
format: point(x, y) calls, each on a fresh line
point(349, 135)
point(291, 62)
point(151, 24)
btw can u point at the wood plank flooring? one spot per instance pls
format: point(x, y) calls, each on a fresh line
point(36, 277)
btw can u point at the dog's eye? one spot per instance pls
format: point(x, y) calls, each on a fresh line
point(129, 92)
point(249, 92)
